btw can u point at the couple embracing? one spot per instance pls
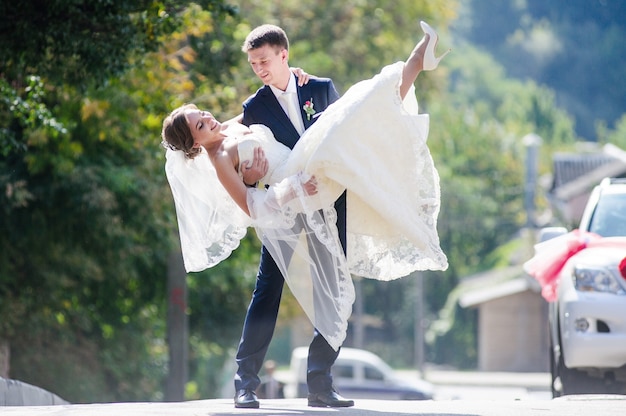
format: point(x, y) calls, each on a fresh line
point(353, 190)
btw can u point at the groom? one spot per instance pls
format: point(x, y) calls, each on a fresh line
point(287, 110)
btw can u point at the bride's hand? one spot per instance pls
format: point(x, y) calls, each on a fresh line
point(303, 77)
point(255, 170)
point(310, 186)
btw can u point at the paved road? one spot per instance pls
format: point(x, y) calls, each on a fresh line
point(571, 406)
point(457, 394)
point(474, 385)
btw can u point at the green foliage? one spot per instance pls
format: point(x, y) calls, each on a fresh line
point(218, 298)
point(571, 46)
point(28, 112)
point(84, 42)
point(487, 114)
point(127, 363)
point(84, 250)
point(616, 136)
point(457, 347)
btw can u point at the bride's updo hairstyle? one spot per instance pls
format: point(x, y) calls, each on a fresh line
point(176, 134)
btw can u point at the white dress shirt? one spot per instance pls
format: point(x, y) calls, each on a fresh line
point(290, 104)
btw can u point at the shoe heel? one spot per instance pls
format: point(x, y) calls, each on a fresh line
point(430, 62)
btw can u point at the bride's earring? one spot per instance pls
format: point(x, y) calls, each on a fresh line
point(430, 62)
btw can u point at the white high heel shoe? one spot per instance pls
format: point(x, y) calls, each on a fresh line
point(430, 62)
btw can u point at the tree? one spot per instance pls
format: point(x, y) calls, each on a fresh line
point(84, 42)
point(86, 227)
point(570, 46)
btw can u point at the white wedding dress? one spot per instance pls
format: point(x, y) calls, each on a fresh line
point(370, 143)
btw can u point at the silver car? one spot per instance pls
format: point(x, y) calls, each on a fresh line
point(588, 318)
point(360, 374)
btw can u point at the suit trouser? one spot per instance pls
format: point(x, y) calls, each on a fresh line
point(260, 322)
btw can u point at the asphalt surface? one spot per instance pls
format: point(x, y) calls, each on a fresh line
point(568, 406)
point(457, 393)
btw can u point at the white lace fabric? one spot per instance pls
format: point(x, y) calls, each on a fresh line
point(305, 245)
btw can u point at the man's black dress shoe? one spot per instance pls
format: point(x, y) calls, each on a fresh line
point(328, 399)
point(246, 399)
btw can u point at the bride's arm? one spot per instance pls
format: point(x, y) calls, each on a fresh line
point(272, 201)
point(231, 181)
point(270, 208)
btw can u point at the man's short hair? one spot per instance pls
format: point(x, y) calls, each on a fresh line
point(265, 35)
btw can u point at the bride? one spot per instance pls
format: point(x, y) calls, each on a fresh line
point(371, 142)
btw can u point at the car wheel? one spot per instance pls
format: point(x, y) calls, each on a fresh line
point(566, 380)
point(555, 386)
point(579, 382)
point(572, 381)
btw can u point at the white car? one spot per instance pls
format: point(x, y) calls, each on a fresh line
point(588, 318)
point(360, 374)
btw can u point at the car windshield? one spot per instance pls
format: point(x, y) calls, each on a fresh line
point(609, 218)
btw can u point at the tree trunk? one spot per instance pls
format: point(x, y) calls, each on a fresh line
point(4, 358)
point(177, 331)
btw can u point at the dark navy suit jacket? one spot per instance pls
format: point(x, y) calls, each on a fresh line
point(264, 108)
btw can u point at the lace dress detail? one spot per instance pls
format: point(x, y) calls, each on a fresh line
point(373, 144)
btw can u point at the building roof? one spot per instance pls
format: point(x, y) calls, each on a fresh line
point(575, 174)
point(567, 167)
point(495, 284)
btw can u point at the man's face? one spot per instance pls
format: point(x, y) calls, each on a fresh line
point(270, 65)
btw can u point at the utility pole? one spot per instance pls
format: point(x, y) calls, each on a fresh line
point(532, 143)
point(419, 322)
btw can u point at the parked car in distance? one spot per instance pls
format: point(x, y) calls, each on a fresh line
point(359, 374)
point(588, 319)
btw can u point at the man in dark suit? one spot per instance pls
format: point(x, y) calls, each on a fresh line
point(287, 109)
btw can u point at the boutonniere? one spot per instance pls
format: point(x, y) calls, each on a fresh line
point(308, 109)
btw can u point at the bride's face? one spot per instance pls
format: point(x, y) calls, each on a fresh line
point(205, 129)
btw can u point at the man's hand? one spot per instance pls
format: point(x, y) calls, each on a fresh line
point(255, 170)
point(310, 186)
